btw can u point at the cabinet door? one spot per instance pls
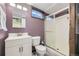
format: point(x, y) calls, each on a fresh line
point(27, 50)
point(27, 47)
point(12, 51)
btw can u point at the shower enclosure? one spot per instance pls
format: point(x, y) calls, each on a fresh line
point(57, 32)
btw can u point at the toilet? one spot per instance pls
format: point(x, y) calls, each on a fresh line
point(40, 49)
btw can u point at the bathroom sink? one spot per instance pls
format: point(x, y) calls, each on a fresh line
point(17, 34)
point(13, 36)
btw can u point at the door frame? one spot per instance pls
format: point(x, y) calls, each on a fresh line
point(72, 30)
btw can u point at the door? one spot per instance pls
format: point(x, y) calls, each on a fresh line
point(49, 22)
point(50, 32)
point(50, 39)
point(62, 34)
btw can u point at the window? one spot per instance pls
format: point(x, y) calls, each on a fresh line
point(37, 14)
point(19, 6)
point(13, 4)
point(24, 8)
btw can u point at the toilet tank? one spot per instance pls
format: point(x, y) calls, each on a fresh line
point(35, 40)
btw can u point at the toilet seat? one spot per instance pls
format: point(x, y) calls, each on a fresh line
point(41, 50)
point(40, 47)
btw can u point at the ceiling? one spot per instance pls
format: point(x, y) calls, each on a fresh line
point(49, 7)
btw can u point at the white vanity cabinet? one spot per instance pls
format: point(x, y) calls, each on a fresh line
point(18, 46)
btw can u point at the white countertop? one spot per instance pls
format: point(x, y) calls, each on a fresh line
point(17, 37)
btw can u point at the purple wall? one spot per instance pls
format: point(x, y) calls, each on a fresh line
point(3, 36)
point(34, 26)
point(9, 20)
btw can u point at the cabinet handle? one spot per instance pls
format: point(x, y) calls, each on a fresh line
point(22, 49)
point(19, 49)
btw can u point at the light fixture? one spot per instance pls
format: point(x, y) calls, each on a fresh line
point(13, 4)
point(30, 3)
point(19, 6)
point(24, 8)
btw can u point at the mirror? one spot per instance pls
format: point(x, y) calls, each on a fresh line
point(2, 19)
point(18, 22)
